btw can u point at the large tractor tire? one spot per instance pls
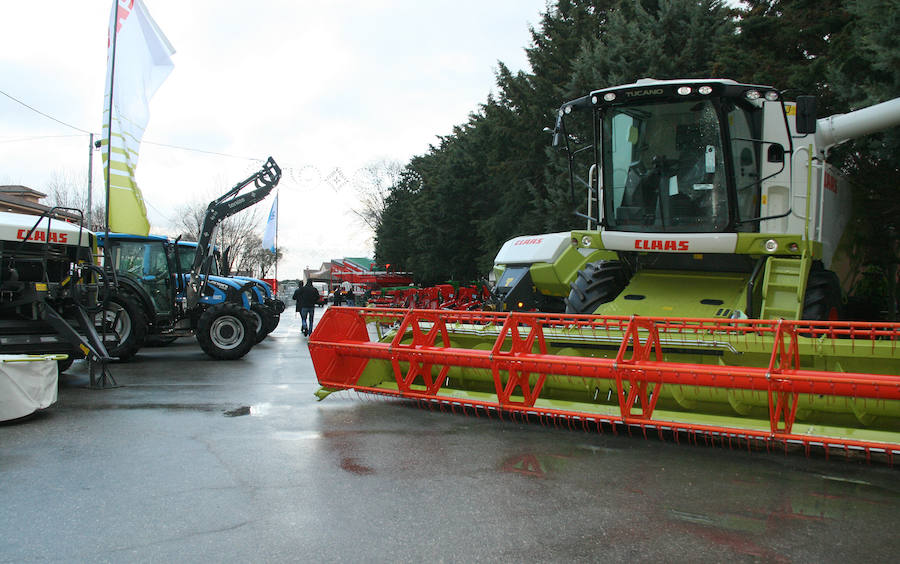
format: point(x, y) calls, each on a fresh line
point(822, 301)
point(597, 283)
point(265, 321)
point(124, 324)
point(226, 331)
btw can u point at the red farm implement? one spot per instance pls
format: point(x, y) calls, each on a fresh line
point(748, 383)
point(443, 296)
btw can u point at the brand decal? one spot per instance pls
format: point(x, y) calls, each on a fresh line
point(645, 92)
point(533, 241)
point(661, 245)
point(42, 236)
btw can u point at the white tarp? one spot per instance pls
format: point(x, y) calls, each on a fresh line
point(26, 385)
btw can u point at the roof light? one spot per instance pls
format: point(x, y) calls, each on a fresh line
point(586, 241)
point(684, 90)
point(771, 95)
point(609, 96)
point(568, 109)
point(594, 100)
point(752, 94)
point(771, 245)
point(705, 90)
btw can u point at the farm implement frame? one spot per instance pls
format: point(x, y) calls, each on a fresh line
point(764, 383)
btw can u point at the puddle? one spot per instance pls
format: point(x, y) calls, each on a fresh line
point(257, 410)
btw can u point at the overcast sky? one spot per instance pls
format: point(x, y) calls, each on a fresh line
point(319, 85)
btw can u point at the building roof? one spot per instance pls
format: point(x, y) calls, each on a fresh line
point(21, 199)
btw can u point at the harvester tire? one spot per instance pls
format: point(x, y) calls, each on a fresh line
point(126, 326)
point(597, 283)
point(822, 301)
point(226, 331)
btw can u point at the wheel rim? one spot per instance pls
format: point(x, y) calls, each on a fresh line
point(226, 332)
point(116, 322)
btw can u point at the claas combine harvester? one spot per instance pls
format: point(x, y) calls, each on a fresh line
point(700, 302)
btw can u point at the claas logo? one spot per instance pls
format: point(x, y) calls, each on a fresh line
point(43, 236)
point(660, 245)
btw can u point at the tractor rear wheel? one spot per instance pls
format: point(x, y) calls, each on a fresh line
point(822, 301)
point(226, 331)
point(122, 325)
point(597, 283)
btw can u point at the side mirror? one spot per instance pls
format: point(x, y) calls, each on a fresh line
point(557, 131)
point(806, 114)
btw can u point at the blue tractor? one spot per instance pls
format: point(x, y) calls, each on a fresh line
point(157, 297)
point(263, 305)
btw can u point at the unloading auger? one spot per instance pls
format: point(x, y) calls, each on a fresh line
point(701, 300)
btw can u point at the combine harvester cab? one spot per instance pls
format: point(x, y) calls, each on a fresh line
point(699, 301)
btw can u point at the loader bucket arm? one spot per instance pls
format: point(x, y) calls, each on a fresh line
point(225, 206)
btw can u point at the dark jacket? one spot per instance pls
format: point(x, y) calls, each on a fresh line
point(296, 298)
point(309, 296)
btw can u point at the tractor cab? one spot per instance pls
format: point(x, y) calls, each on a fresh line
point(147, 264)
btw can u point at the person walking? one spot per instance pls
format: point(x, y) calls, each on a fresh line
point(309, 296)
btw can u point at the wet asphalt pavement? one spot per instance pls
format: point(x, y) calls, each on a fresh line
point(193, 460)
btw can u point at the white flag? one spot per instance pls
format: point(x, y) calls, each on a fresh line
point(268, 240)
point(140, 65)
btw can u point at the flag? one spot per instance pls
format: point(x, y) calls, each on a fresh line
point(137, 63)
point(268, 240)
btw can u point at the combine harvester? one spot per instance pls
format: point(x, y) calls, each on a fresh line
point(700, 302)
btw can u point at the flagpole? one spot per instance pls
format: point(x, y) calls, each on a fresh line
point(112, 82)
point(277, 205)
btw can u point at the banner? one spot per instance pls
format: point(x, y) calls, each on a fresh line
point(268, 240)
point(137, 63)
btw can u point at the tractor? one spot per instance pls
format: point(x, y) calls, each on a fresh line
point(157, 298)
point(265, 308)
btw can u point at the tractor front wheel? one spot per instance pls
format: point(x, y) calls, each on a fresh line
point(597, 283)
point(226, 331)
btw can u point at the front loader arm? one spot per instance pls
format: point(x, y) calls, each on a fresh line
point(225, 206)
